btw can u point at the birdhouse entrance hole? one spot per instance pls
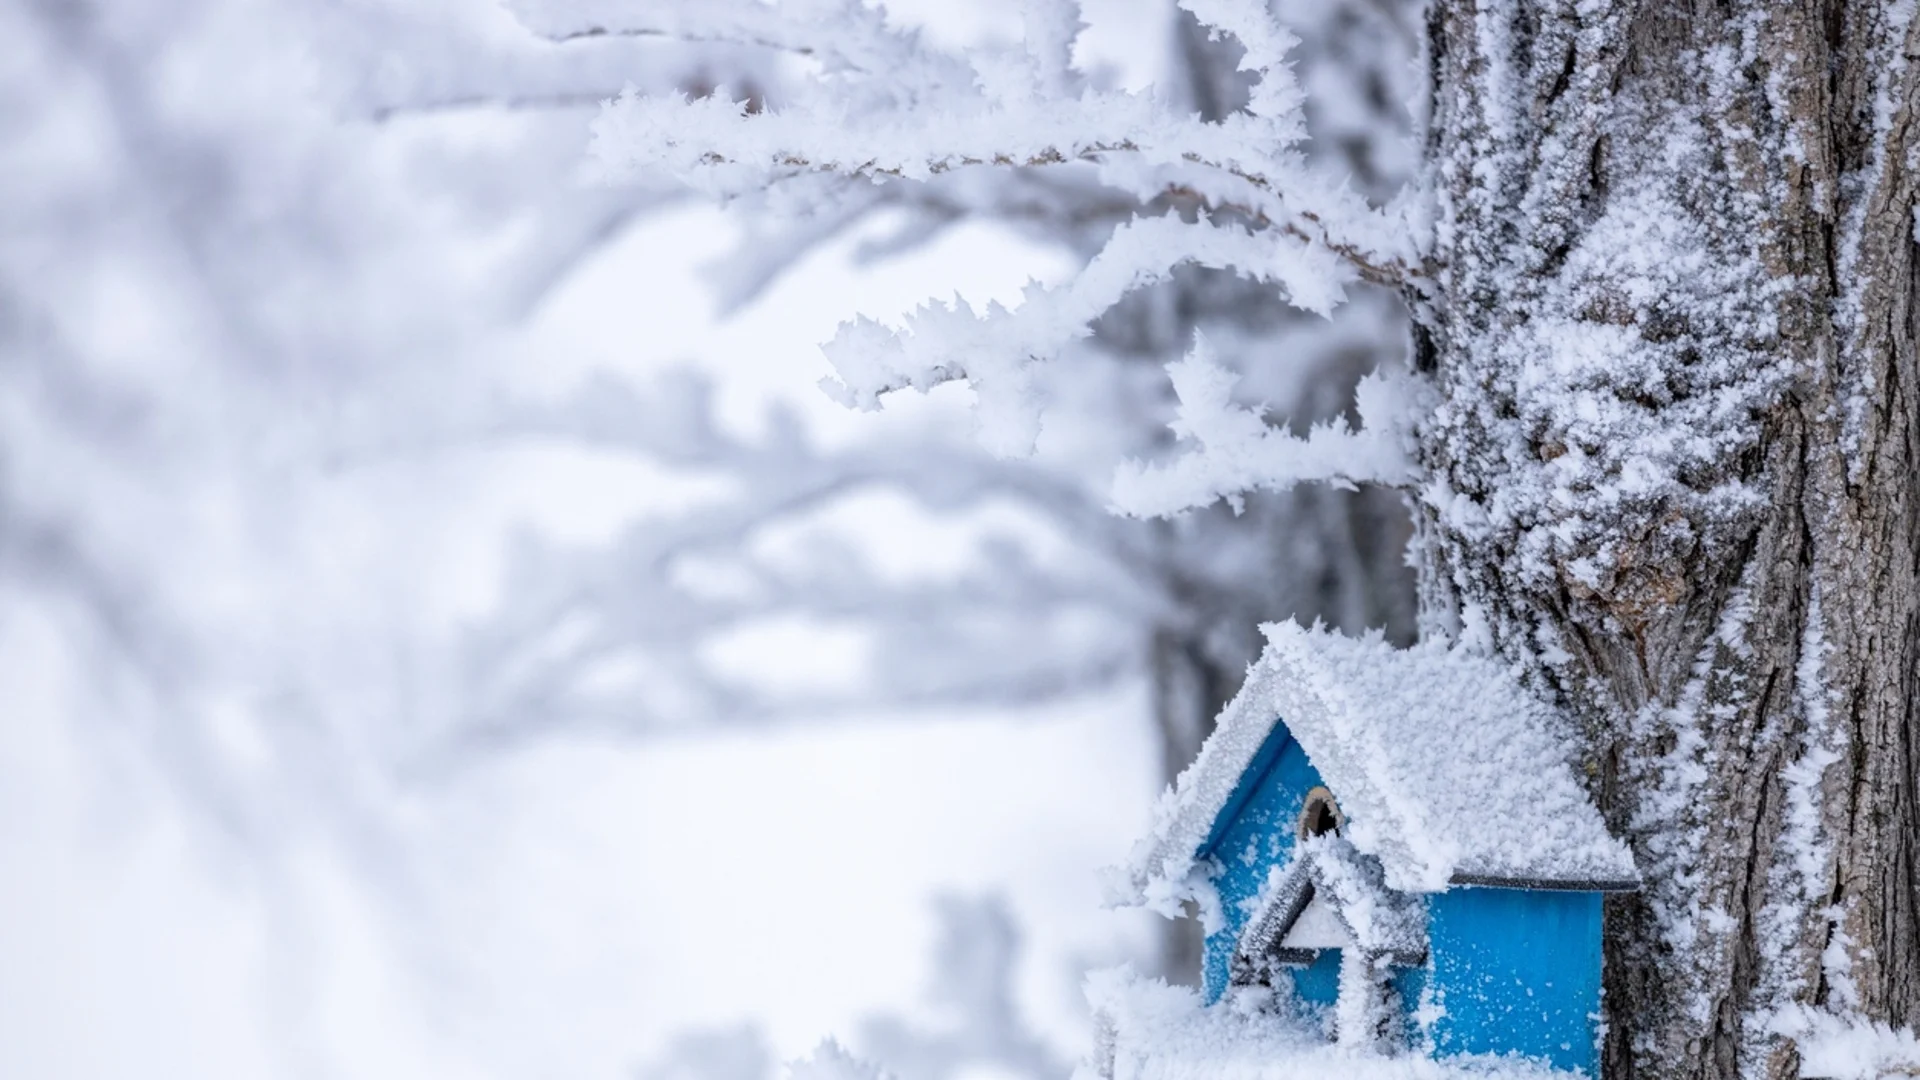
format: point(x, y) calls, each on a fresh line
point(1321, 815)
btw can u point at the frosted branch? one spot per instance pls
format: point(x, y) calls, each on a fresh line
point(1277, 95)
point(1011, 110)
point(844, 35)
point(994, 351)
point(722, 149)
point(1237, 451)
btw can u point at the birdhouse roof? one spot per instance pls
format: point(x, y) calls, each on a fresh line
point(1448, 771)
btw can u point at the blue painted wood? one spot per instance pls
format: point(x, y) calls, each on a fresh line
point(1517, 971)
point(1254, 775)
point(1318, 983)
point(1255, 831)
point(1512, 970)
point(1409, 983)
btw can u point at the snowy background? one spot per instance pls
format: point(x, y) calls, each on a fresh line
point(237, 318)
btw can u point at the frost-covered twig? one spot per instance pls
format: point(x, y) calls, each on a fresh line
point(717, 146)
point(844, 35)
point(1238, 451)
point(1257, 208)
point(996, 351)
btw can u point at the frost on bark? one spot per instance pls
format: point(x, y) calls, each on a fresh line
point(1671, 318)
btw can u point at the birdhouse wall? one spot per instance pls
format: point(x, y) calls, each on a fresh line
point(1318, 983)
point(1255, 832)
point(1516, 970)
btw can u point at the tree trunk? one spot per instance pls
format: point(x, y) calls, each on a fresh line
point(1671, 313)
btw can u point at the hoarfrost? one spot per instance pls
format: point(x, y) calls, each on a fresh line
point(1147, 1030)
point(1238, 451)
point(1351, 887)
point(1241, 194)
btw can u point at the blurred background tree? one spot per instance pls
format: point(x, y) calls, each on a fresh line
point(265, 278)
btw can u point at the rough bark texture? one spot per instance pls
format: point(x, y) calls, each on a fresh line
point(1672, 314)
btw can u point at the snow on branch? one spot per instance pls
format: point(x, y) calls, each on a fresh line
point(995, 351)
point(728, 151)
point(843, 35)
point(1277, 95)
point(915, 113)
point(885, 112)
point(1238, 451)
point(725, 150)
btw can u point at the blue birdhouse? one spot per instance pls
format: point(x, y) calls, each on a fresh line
point(1392, 843)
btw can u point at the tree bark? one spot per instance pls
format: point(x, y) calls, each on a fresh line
point(1671, 312)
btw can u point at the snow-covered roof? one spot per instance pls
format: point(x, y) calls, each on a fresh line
point(1328, 874)
point(1447, 770)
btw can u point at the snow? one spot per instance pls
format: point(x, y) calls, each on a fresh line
point(1152, 1031)
point(1797, 879)
point(1446, 768)
point(889, 110)
point(1237, 451)
point(1318, 927)
point(1349, 903)
point(1843, 1048)
point(996, 350)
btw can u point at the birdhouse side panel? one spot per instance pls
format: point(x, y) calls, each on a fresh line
point(1517, 971)
point(1258, 836)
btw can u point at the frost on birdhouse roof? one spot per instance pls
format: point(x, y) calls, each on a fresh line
point(1447, 770)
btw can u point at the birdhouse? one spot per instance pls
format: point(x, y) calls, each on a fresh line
point(1392, 842)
